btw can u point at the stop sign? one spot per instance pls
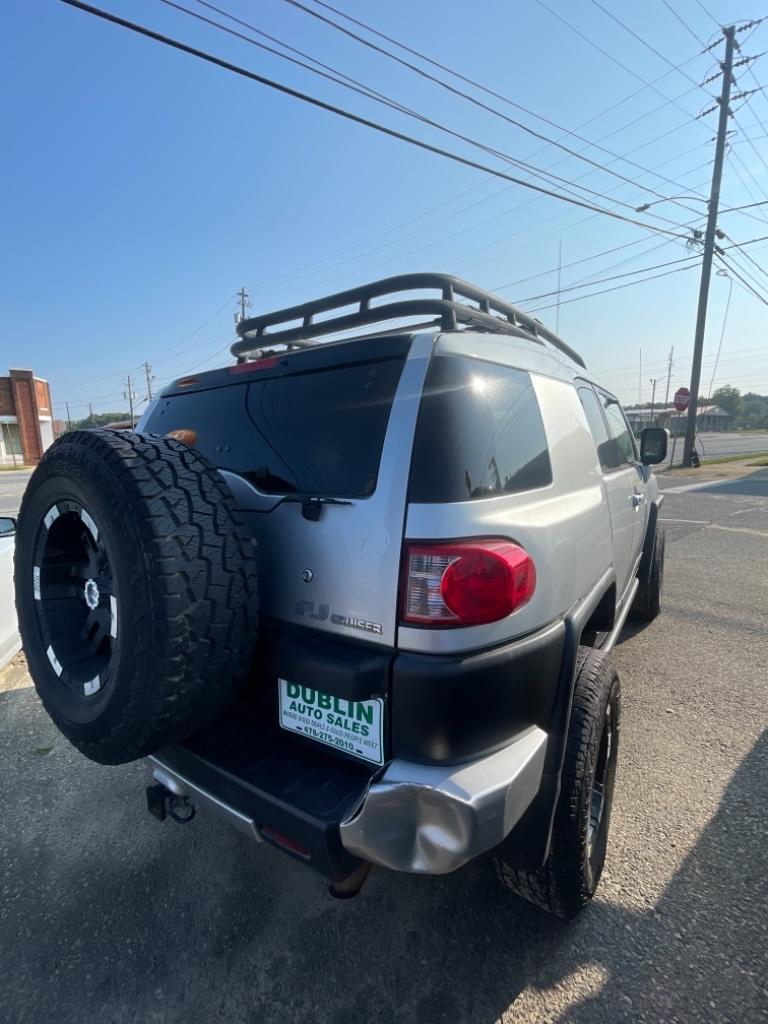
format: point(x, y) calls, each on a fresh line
point(682, 399)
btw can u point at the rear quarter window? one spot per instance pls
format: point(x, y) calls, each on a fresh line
point(479, 433)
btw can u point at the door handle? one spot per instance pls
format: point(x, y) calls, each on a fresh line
point(637, 499)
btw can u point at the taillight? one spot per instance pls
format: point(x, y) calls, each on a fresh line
point(465, 583)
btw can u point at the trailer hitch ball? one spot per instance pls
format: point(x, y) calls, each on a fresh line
point(162, 804)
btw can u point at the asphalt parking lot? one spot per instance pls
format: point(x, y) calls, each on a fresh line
point(107, 916)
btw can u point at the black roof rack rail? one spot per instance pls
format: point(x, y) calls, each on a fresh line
point(491, 314)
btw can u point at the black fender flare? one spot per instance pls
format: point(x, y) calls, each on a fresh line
point(527, 845)
point(646, 559)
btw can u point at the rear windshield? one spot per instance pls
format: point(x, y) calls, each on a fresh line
point(322, 432)
point(479, 433)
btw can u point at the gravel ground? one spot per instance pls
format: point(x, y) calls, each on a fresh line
point(107, 916)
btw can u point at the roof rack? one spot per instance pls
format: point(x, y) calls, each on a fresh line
point(491, 314)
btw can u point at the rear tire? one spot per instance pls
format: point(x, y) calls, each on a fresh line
point(136, 591)
point(568, 880)
point(647, 603)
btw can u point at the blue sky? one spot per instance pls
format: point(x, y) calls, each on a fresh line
point(140, 187)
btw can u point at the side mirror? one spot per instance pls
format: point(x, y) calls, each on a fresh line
point(7, 526)
point(653, 445)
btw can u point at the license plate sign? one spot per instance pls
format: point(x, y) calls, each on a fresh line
point(355, 727)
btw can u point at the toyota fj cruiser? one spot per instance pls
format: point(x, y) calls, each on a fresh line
point(449, 523)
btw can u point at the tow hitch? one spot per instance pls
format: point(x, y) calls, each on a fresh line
point(162, 803)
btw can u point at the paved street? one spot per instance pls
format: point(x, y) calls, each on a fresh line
point(716, 445)
point(12, 484)
point(107, 916)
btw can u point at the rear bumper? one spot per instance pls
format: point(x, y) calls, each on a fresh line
point(432, 819)
point(473, 756)
point(418, 818)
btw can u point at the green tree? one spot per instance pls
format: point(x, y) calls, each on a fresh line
point(729, 399)
point(100, 419)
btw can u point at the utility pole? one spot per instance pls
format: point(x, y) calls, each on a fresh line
point(150, 378)
point(669, 375)
point(559, 273)
point(653, 400)
point(244, 304)
point(640, 381)
point(90, 413)
point(709, 244)
point(69, 420)
point(130, 394)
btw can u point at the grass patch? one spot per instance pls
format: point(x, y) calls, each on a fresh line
point(10, 469)
point(759, 462)
point(735, 458)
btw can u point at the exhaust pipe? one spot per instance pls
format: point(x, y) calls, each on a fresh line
point(352, 884)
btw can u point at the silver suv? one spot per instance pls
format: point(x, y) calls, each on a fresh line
point(358, 596)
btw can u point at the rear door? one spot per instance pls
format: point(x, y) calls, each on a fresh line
point(628, 452)
point(316, 448)
point(619, 478)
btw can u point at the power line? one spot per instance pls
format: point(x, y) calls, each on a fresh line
point(604, 291)
point(734, 156)
point(734, 258)
point(379, 97)
point(471, 99)
point(732, 270)
point(708, 13)
point(472, 227)
point(616, 61)
point(683, 22)
point(418, 216)
point(645, 43)
point(603, 280)
point(748, 256)
point(349, 116)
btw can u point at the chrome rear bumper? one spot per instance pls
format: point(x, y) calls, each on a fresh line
point(431, 820)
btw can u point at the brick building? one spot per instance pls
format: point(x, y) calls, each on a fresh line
point(26, 418)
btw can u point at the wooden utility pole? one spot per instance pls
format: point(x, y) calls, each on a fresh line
point(669, 375)
point(709, 245)
point(244, 303)
point(130, 395)
point(148, 371)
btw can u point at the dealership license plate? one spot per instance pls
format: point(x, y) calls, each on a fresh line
point(352, 726)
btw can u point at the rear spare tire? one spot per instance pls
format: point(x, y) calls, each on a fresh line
point(135, 589)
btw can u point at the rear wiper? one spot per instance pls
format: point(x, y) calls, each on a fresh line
point(312, 506)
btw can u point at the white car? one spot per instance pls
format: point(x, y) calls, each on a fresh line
point(10, 642)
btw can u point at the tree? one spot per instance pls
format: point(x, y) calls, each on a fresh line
point(729, 399)
point(100, 419)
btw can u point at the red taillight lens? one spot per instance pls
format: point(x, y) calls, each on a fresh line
point(466, 583)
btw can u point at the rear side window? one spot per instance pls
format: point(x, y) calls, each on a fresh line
point(606, 447)
point(479, 433)
point(620, 430)
point(322, 432)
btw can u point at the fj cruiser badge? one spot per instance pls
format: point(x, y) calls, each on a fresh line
point(322, 612)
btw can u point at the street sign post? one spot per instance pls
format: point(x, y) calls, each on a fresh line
point(682, 399)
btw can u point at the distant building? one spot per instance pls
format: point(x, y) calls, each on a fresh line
point(26, 418)
point(708, 418)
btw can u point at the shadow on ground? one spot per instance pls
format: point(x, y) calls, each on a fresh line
point(754, 485)
point(108, 916)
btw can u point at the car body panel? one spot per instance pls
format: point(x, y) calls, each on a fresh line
point(10, 641)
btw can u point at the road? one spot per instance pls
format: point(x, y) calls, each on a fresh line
point(12, 484)
point(716, 445)
point(107, 916)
